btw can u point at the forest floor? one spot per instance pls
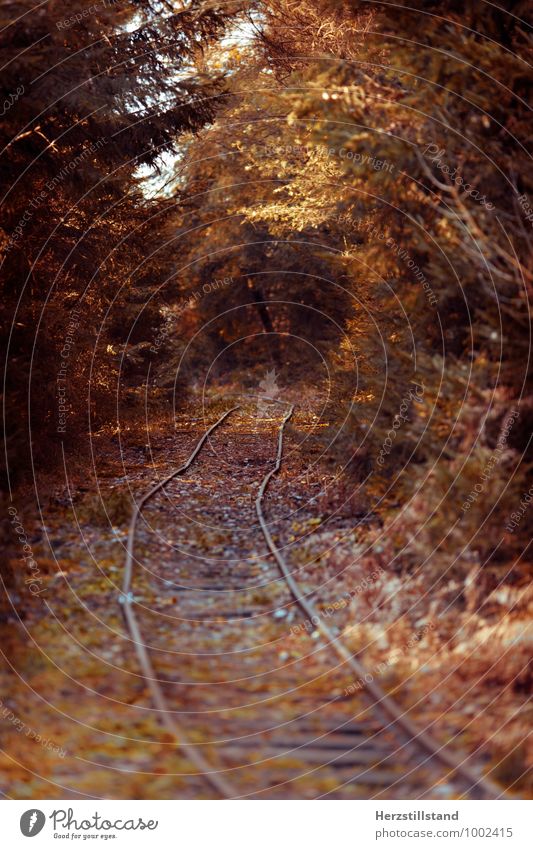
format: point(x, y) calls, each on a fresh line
point(257, 689)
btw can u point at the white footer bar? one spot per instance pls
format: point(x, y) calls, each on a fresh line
point(268, 824)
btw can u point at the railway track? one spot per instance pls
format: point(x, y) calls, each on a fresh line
point(251, 720)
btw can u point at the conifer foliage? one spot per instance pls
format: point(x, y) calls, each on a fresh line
point(368, 181)
point(91, 93)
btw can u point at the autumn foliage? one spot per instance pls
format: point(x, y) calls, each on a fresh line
point(337, 193)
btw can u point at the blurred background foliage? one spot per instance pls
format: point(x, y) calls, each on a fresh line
point(307, 155)
point(367, 165)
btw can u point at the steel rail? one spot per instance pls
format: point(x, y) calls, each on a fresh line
point(220, 784)
point(416, 734)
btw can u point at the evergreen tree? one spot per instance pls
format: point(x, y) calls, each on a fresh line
point(92, 93)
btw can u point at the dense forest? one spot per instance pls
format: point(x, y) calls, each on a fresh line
point(205, 200)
